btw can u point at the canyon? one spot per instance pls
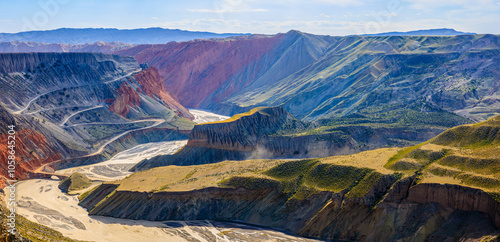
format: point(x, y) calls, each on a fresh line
point(70, 108)
point(361, 197)
point(272, 132)
point(350, 138)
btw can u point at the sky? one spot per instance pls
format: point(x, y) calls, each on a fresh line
point(328, 17)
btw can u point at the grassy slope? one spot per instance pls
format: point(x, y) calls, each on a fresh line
point(444, 159)
point(465, 155)
point(299, 178)
point(75, 182)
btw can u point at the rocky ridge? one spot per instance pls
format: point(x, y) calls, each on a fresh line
point(272, 132)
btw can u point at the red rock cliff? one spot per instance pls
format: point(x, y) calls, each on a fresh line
point(127, 97)
point(153, 86)
point(32, 151)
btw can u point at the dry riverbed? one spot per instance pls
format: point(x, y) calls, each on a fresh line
point(42, 202)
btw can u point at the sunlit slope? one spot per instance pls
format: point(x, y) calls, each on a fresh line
point(467, 155)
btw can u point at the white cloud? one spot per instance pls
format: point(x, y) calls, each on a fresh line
point(230, 10)
point(474, 5)
point(342, 3)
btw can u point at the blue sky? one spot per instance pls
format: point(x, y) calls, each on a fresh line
point(331, 17)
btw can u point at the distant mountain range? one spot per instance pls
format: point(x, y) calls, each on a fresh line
point(91, 35)
point(155, 35)
point(434, 32)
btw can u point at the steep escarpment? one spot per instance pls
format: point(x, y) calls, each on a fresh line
point(33, 151)
point(34, 146)
point(400, 217)
point(273, 133)
point(235, 138)
point(20, 62)
point(325, 215)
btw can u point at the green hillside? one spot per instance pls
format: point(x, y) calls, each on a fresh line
point(466, 155)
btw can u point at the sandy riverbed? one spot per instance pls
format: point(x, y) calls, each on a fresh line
point(42, 202)
point(201, 116)
point(118, 166)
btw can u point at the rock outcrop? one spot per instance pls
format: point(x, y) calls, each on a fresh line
point(127, 97)
point(32, 151)
point(32, 148)
point(75, 182)
point(152, 85)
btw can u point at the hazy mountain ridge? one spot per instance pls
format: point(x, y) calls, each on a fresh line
point(20, 47)
point(91, 35)
point(434, 32)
